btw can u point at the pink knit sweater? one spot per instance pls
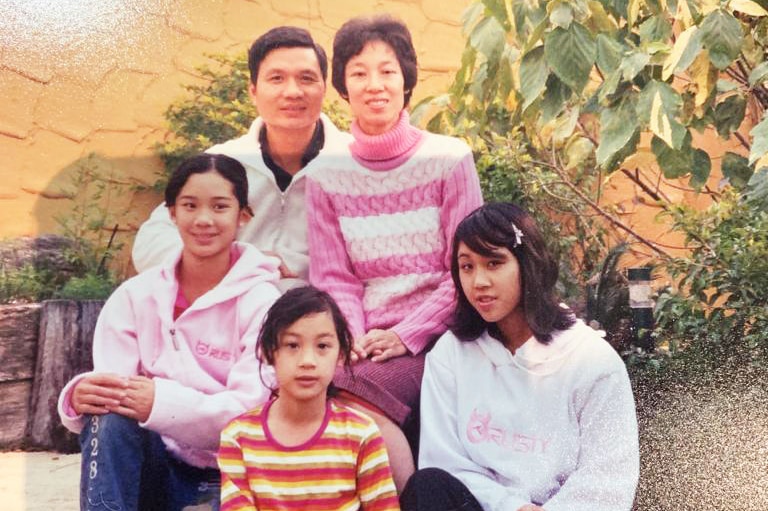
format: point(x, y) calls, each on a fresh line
point(381, 225)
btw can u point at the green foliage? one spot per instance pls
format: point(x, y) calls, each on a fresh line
point(90, 286)
point(720, 307)
point(661, 68)
point(22, 285)
point(216, 110)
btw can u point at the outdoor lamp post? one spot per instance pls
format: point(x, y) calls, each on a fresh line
point(641, 305)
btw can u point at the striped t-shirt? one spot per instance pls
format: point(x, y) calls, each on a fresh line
point(343, 467)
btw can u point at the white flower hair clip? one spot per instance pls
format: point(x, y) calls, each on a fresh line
point(518, 235)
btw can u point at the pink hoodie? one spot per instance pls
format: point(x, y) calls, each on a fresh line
point(203, 364)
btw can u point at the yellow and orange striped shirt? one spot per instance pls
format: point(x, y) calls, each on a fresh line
point(343, 467)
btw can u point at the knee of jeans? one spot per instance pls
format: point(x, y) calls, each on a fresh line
point(110, 424)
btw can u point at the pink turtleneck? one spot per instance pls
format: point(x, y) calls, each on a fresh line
point(388, 150)
point(380, 227)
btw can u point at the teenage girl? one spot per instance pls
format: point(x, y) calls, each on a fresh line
point(302, 450)
point(523, 407)
point(173, 354)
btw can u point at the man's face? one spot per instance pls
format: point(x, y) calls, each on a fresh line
point(289, 89)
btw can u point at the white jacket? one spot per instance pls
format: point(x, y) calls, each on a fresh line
point(203, 363)
point(279, 223)
point(553, 425)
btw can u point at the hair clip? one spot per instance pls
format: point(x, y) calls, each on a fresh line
point(518, 235)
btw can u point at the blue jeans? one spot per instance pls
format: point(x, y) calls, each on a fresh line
point(127, 468)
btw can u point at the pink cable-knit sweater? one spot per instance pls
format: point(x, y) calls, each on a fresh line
point(381, 226)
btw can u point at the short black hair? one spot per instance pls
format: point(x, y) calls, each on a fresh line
point(498, 225)
point(294, 305)
point(284, 37)
point(357, 32)
point(228, 167)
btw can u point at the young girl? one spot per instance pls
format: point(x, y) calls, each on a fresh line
point(524, 407)
point(173, 354)
point(302, 450)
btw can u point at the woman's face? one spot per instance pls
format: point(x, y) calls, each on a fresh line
point(207, 214)
point(491, 283)
point(375, 85)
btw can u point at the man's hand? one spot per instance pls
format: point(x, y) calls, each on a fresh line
point(138, 400)
point(99, 393)
point(285, 272)
point(381, 345)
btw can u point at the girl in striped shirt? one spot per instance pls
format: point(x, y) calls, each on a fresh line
point(302, 450)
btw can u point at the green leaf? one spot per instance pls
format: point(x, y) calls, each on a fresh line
point(729, 115)
point(498, 10)
point(659, 105)
point(617, 125)
point(759, 74)
point(687, 47)
point(736, 169)
point(533, 75)
point(609, 53)
point(555, 98)
point(674, 163)
point(656, 28)
point(488, 37)
point(757, 188)
point(561, 15)
point(722, 36)
point(759, 141)
point(578, 150)
point(633, 63)
point(571, 55)
point(701, 168)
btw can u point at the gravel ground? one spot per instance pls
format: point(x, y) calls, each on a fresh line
point(39, 481)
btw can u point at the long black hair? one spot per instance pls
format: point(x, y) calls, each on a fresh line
point(504, 225)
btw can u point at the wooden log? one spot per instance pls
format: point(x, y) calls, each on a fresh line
point(64, 350)
point(18, 348)
point(18, 342)
point(14, 413)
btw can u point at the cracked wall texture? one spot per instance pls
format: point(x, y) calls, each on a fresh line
point(83, 77)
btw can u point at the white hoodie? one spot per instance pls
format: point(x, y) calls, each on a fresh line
point(553, 425)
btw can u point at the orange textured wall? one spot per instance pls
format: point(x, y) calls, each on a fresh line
point(82, 77)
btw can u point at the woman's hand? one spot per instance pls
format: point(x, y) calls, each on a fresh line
point(531, 507)
point(381, 345)
point(138, 400)
point(98, 394)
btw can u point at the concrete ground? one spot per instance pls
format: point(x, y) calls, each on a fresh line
point(39, 481)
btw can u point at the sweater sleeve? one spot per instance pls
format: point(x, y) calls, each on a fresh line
point(156, 238)
point(461, 196)
point(375, 487)
point(195, 418)
point(609, 461)
point(329, 266)
point(441, 446)
point(235, 491)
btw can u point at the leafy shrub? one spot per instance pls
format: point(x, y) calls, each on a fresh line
point(719, 307)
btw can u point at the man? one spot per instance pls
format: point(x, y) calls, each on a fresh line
point(288, 71)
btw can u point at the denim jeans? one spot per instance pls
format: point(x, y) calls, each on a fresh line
point(127, 468)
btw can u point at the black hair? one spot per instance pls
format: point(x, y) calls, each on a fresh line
point(499, 225)
point(352, 37)
point(284, 37)
point(229, 168)
point(291, 307)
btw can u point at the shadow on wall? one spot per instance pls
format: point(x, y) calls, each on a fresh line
point(101, 201)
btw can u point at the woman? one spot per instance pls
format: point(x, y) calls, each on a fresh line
point(174, 354)
point(523, 407)
point(381, 224)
